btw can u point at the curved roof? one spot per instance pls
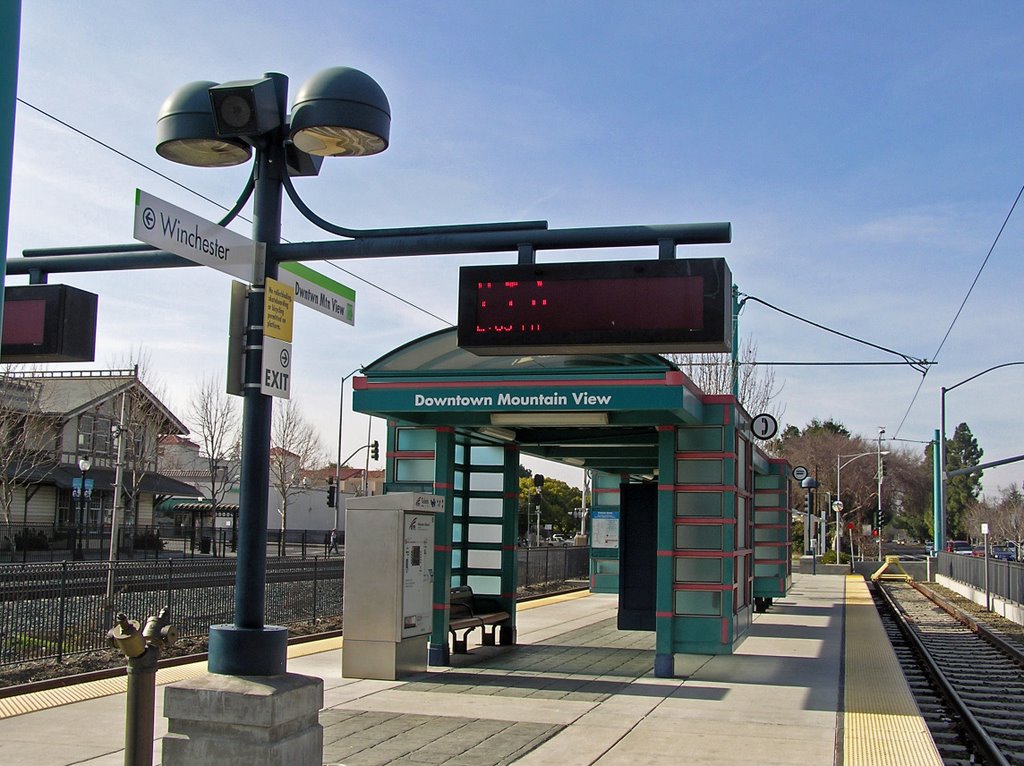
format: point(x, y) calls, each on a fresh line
point(439, 353)
point(599, 410)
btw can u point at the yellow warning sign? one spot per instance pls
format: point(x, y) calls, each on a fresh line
point(278, 306)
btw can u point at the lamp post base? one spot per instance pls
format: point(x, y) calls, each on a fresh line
point(235, 651)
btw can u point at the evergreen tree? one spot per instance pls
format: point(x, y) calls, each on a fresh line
point(962, 491)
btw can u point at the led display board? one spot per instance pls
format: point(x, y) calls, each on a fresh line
point(661, 306)
point(48, 323)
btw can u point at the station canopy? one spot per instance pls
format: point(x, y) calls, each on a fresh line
point(597, 410)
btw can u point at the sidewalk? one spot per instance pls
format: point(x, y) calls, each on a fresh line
point(575, 691)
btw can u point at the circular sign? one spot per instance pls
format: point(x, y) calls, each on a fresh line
point(286, 357)
point(764, 426)
point(837, 506)
point(799, 473)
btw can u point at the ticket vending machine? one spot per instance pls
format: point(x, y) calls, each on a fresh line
point(389, 579)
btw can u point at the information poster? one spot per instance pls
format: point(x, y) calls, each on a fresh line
point(604, 529)
point(418, 575)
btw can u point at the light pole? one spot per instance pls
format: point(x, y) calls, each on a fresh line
point(337, 465)
point(84, 464)
point(881, 433)
point(939, 538)
point(839, 493)
point(339, 112)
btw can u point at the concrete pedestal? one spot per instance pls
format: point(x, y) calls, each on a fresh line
point(244, 721)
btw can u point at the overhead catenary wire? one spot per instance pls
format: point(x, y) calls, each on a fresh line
point(963, 303)
point(921, 365)
point(232, 212)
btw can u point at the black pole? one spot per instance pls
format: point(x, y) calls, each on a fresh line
point(249, 647)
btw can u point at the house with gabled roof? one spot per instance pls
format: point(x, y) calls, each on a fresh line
point(59, 434)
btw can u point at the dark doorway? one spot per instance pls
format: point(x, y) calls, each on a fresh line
point(638, 556)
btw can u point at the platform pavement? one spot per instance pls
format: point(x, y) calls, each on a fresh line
point(575, 691)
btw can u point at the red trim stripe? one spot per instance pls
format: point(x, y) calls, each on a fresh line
point(725, 630)
point(667, 615)
point(364, 384)
point(442, 548)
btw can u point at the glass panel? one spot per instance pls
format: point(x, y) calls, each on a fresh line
point(699, 471)
point(486, 482)
point(460, 482)
point(741, 523)
point(457, 533)
point(699, 504)
point(769, 552)
point(456, 559)
point(487, 455)
point(486, 506)
point(457, 506)
point(414, 470)
point(767, 570)
point(460, 454)
point(485, 533)
point(769, 499)
point(696, 602)
point(415, 439)
point(606, 499)
point(699, 439)
point(698, 570)
point(698, 537)
point(484, 560)
point(741, 464)
point(485, 585)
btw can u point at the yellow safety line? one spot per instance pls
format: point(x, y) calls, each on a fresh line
point(65, 695)
point(882, 723)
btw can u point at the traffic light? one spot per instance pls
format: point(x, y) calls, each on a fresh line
point(879, 519)
point(375, 450)
point(332, 493)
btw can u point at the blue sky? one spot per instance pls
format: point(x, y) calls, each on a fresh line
point(865, 153)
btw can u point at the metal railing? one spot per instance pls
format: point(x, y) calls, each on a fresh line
point(52, 610)
point(25, 544)
point(1005, 578)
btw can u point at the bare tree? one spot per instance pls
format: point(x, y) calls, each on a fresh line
point(295, 446)
point(23, 443)
point(214, 416)
point(713, 374)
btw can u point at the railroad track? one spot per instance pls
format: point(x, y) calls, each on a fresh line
point(969, 682)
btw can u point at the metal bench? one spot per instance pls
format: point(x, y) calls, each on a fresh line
point(467, 612)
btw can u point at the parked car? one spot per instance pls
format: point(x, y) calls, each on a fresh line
point(958, 546)
point(977, 550)
point(1002, 553)
point(559, 541)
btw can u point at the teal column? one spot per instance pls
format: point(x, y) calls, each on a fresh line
point(938, 523)
point(10, 35)
point(444, 485)
point(664, 614)
point(509, 539)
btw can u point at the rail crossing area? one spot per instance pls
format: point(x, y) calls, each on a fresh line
point(815, 681)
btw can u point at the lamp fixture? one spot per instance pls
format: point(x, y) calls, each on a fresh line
point(341, 112)
point(549, 419)
point(504, 434)
point(185, 131)
point(84, 463)
point(578, 462)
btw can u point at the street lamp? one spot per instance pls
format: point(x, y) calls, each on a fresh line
point(339, 112)
point(839, 494)
point(337, 464)
point(84, 464)
point(939, 538)
point(881, 433)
